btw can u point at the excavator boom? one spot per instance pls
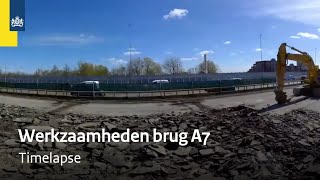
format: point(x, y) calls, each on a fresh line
point(302, 57)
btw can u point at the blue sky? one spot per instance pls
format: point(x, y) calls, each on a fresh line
point(66, 31)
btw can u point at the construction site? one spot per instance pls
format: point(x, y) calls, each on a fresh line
point(251, 137)
point(249, 128)
point(210, 90)
point(268, 132)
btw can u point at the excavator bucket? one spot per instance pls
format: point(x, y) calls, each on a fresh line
point(281, 97)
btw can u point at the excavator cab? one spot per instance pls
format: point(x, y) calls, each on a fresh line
point(312, 85)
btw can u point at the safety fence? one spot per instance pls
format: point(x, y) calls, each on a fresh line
point(147, 79)
point(143, 94)
point(143, 87)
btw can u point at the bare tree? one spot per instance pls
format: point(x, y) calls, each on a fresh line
point(119, 71)
point(173, 66)
point(193, 70)
point(38, 72)
point(55, 71)
point(66, 71)
point(135, 66)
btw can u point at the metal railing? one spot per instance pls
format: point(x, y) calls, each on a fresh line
point(144, 94)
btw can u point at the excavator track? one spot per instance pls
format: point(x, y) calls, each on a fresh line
point(316, 92)
point(303, 91)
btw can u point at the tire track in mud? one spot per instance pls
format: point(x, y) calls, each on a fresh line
point(63, 106)
point(195, 102)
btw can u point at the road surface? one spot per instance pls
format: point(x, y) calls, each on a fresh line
point(260, 100)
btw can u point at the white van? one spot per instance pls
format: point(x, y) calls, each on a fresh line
point(90, 82)
point(160, 82)
point(86, 88)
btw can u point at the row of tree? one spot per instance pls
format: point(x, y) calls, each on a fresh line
point(137, 66)
point(83, 69)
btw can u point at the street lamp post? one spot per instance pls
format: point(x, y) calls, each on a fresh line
point(261, 47)
point(130, 41)
point(262, 66)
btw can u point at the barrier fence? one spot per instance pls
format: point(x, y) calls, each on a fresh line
point(147, 79)
point(143, 94)
point(143, 87)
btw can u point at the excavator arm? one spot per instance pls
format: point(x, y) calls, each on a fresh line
point(282, 58)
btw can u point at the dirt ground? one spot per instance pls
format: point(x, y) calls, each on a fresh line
point(244, 143)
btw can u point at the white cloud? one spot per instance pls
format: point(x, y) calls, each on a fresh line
point(196, 49)
point(258, 49)
point(132, 51)
point(227, 42)
point(319, 30)
point(111, 59)
point(54, 40)
point(295, 37)
point(189, 59)
point(176, 14)
point(202, 53)
point(116, 61)
point(303, 11)
point(120, 61)
point(168, 52)
point(308, 35)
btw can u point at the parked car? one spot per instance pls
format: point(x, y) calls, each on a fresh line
point(86, 88)
point(160, 82)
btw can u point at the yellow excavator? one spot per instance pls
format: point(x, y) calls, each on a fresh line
point(312, 85)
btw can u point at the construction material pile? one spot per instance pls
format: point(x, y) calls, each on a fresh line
point(243, 145)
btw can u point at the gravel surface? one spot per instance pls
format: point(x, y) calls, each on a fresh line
point(265, 99)
point(243, 144)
